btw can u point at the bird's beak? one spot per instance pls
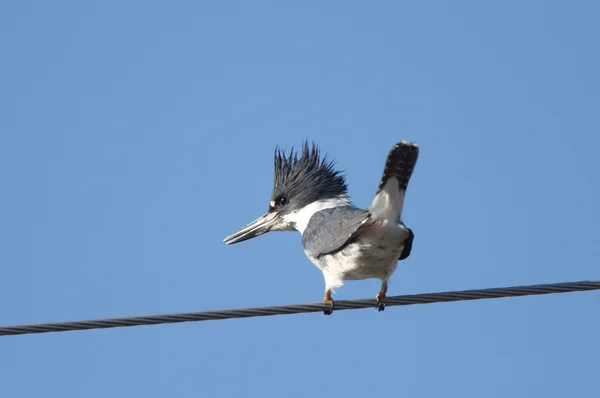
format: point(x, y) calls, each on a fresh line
point(256, 228)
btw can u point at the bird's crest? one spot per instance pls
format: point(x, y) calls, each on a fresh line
point(306, 176)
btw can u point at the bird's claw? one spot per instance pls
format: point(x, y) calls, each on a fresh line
point(329, 311)
point(380, 306)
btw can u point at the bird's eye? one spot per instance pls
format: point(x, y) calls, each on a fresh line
point(282, 200)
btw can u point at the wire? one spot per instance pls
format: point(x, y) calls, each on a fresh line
point(302, 308)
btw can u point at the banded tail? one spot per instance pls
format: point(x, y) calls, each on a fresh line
point(399, 166)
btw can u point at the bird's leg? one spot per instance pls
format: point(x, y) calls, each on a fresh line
point(329, 300)
point(380, 295)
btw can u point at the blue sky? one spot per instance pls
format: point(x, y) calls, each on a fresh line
point(134, 136)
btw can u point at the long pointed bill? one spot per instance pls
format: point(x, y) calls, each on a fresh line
point(256, 228)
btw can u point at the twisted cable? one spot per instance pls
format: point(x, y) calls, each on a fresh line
point(340, 305)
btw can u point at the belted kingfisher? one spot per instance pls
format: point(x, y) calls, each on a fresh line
point(342, 240)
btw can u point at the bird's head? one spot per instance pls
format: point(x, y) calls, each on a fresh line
point(300, 180)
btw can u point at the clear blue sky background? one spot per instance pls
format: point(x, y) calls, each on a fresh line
point(136, 135)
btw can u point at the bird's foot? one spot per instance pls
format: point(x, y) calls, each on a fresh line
point(327, 299)
point(380, 306)
point(328, 311)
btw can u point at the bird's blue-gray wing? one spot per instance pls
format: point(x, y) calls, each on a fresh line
point(329, 230)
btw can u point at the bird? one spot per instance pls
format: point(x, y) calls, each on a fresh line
point(344, 241)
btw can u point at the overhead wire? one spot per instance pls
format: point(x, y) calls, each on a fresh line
point(340, 305)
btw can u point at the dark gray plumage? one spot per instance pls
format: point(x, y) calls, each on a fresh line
point(400, 163)
point(330, 230)
point(407, 245)
point(294, 174)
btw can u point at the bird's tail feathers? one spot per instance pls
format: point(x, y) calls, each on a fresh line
point(399, 166)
